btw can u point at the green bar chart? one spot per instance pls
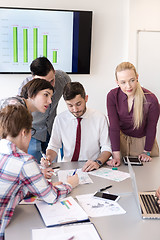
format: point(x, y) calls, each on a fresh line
point(35, 43)
point(45, 39)
point(25, 45)
point(27, 34)
point(54, 56)
point(15, 44)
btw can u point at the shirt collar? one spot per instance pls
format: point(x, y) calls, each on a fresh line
point(85, 115)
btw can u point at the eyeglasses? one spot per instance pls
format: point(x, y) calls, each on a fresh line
point(33, 131)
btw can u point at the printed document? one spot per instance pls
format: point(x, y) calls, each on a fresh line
point(110, 174)
point(83, 176)
point(96, 207)
point(80, 231)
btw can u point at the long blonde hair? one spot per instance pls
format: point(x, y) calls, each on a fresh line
point(139, 98)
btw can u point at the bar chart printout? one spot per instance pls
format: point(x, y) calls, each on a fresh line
point(66, 203)
point(62, 212)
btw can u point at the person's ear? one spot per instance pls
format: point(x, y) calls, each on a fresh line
point(137, 77)
point(24, 133)
point(116, 82)
point(86, 98)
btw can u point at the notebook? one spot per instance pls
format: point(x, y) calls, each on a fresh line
point(146, 201)
point(63, 212)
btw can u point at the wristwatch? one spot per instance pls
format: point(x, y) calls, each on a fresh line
point(147, 153)
point(99, 162)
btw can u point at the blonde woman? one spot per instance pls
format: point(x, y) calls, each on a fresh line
point(133, 114)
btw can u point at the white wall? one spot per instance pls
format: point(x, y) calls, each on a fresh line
point(114, 39)
point(145, 15)
point(109, 46)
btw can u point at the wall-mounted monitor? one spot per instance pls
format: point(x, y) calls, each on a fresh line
point(63, 36)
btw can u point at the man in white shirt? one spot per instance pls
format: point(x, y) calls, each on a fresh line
point(95, 146)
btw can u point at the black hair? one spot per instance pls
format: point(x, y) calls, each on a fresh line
point(72, 89)
point(41, 66)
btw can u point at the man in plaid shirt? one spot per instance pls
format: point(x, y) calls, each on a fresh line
point(19, 172)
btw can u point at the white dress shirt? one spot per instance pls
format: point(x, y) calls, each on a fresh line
point(94, 135)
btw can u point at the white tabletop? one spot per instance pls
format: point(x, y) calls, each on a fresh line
point(126, 227)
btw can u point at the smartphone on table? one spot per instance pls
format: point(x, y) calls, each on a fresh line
point(106, 196)
point(133, 160)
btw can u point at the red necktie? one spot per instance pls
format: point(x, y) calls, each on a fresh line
point(78, 141)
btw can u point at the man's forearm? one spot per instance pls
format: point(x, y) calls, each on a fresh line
point(104, 156)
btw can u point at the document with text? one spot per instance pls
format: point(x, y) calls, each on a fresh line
point(84, 231)
point(110, 174)
point(83, 176)
point(95, 207)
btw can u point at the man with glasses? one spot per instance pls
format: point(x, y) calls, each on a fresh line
point(42, 122)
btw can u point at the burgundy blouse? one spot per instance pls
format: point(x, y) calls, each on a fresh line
point(121, 119)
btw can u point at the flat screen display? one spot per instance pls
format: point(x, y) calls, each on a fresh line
point(63, 36)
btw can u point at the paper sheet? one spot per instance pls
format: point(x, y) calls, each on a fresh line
point(110, 174)
point(85, 231)
point(83, 176)
point(95, 207)
point(64, 211)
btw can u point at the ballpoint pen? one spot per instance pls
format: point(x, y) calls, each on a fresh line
point(44, 156)
point(105, 188)
point(74, 172)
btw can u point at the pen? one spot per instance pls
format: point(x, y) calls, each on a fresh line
point(71, 238)
point(102, 189)
point(56, 167)
point(44, 156)
point(74, 172)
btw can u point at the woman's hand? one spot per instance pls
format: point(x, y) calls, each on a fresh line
point(114, 162)
point(73, 180)
point(47, 172)
point(144, 157)
point(46, 162)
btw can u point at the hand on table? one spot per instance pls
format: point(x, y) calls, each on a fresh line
point(144, 157)
point(89, 166)
point(114, 162)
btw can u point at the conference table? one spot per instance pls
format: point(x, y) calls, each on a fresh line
point(126, 226)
